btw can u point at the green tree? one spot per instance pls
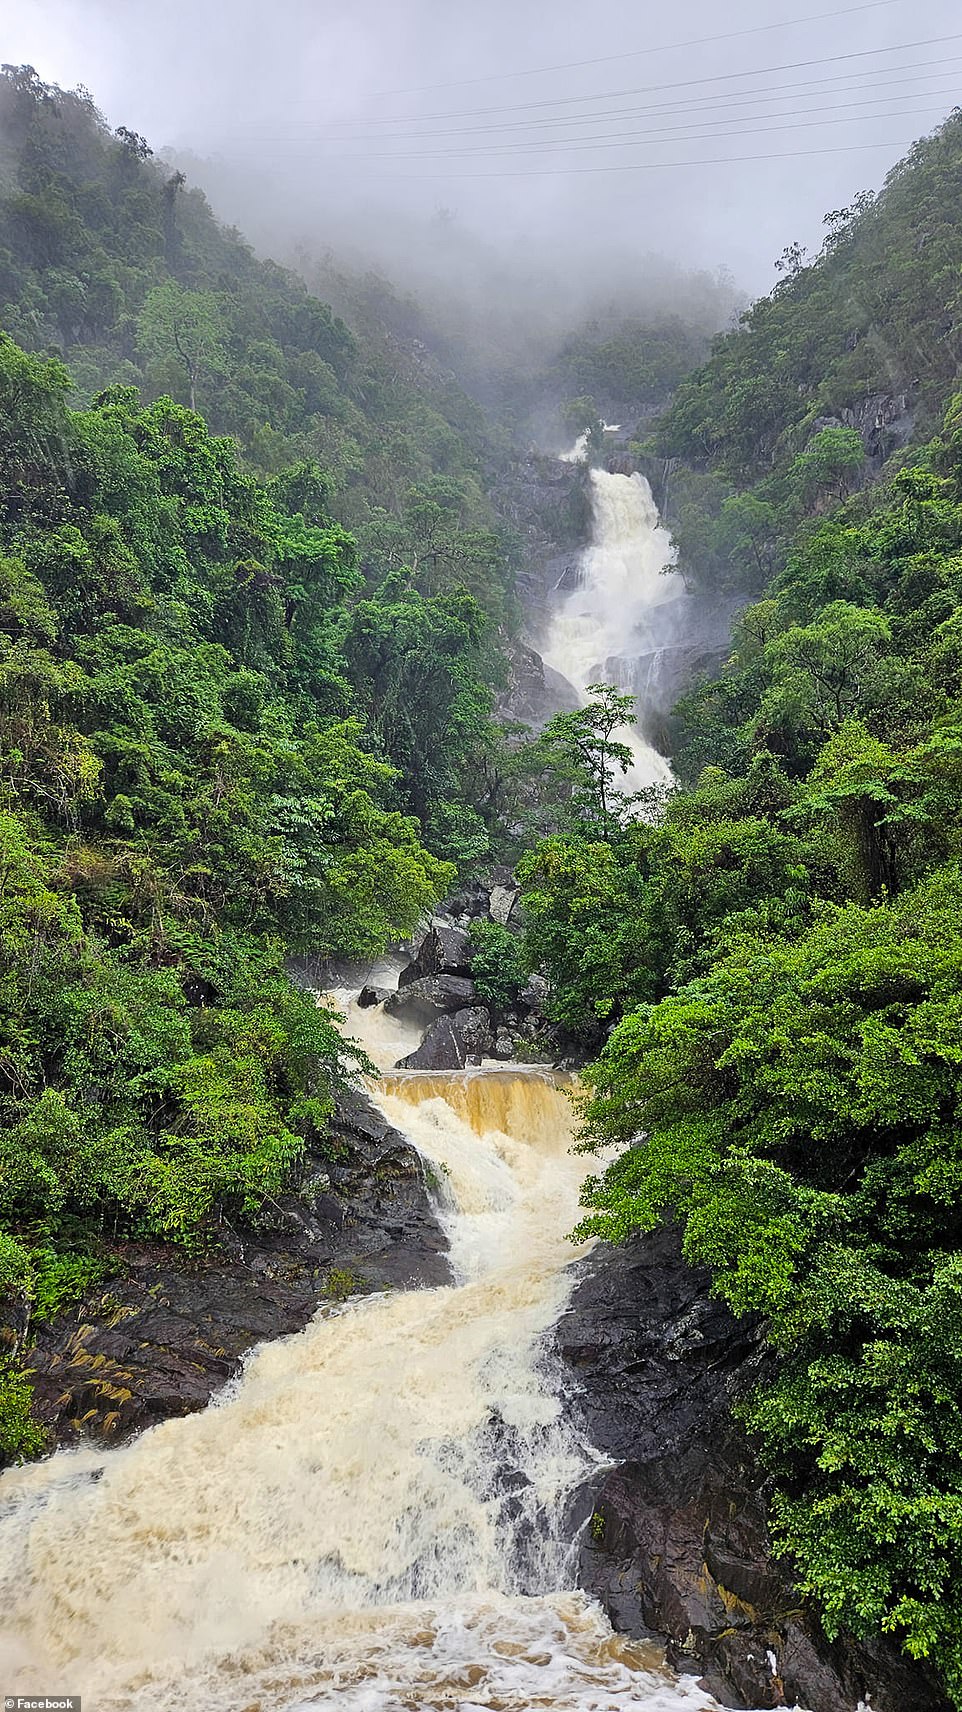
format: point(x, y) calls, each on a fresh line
point(583, 754)
point(829, 464)
point(800, 1112)
point(187, 327)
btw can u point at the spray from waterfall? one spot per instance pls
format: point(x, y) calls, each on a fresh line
point(625, 607)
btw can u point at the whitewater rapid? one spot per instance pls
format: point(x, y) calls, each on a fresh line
point(371, 1518)
point(624, 606)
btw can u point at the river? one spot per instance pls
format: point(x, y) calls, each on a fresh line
point(370, 1517)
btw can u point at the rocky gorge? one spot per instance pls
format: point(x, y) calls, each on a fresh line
point(670, 1534)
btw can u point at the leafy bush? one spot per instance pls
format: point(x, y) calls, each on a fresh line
point(16, 1272)
point(61, 1279)
point(499, 965)
point(21, 1436)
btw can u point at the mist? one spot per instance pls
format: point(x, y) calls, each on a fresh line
point(528, 165)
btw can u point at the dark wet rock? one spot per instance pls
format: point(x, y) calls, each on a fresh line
point(14, 1320)
point(571, 578)
point(674, 1539)
point(453, 1042)
point(446, 949)
point(473, 899)
point(430, 996)
point(885, 421)
point(170, 1329)
point(469, 903)
point(546, 503)
point(368, 997)
point(323, 974)
point(535, 692)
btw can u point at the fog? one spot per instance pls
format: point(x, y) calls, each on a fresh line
point(533, 156)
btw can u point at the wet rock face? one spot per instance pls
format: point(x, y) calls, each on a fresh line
point(453, 1042)
point(430, 996)
point(446, 949)
point(674, 1539)
point(161, 1338)
point(535, 692)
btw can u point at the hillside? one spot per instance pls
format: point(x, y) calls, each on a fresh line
point(114, 262)
point(771, 965)
point(254, 600)
point(850, 357)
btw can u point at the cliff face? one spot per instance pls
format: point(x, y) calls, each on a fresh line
point(674, 1540)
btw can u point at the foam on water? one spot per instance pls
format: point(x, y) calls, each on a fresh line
point(371, 1519)
point(612, 617)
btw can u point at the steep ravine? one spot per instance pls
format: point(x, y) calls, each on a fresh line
point(402, 1501)
point(373, 1516)
point(603, 601)
point(462, 1470)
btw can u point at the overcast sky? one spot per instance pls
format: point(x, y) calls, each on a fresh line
point(550, 130)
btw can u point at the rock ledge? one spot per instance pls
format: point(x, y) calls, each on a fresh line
point(675, 1542)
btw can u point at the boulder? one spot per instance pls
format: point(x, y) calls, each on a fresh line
point(430, 996)
point(534, 995)
point(503, 900)
point(446, 949)
point(369, 996)
point(453, 1042)
point(677, 1542)
point(469, 903)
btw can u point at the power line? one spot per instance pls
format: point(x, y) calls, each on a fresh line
point(732, 96)
point(709, 103)
point(651, 166)
point(635, 53)
point(626, 140)
point(681, 83)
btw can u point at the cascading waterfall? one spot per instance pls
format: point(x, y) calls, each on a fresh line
point(369, 1519)
point(619, 610)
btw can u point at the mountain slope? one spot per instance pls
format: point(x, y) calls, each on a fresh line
point(112, 261)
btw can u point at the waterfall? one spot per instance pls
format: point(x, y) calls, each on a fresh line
point(624, 606)
point(370, 1518)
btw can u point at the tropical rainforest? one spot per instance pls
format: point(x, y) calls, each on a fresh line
point(254, 601)
point(779, 947)
point(230, 732)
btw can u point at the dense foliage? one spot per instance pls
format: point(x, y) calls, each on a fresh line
point(635, 362)
point(855, 350)
point(109, 258)
point(193, 707)
point(780, 954)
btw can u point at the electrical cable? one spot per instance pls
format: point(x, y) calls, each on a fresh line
point(814, 86)
point(680, 83)
point(648, 166)
point(635, 53)
point(668, 132)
